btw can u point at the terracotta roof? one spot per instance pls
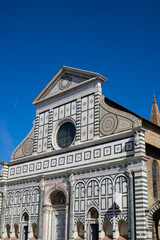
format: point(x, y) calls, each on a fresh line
point(106, 238)
point(155, 115)
point(121, 238)
point(78, 238)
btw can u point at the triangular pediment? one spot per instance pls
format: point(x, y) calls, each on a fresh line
point(66, 79)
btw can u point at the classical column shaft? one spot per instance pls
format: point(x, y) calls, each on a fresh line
point(71, 213)
point(131, 207)
point(40, 216)
point(2, 216)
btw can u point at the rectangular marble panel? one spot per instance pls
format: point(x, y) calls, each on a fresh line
point(84, 104)
point(91, 116)
point(67, 110)
point(91, 101)
point(61, 112)
point(73, 108)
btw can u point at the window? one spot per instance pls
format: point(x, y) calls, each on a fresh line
point(154, 180)
point(66, 134)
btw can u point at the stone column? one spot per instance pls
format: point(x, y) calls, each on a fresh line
point(2, 215)
point(71, 216)
point(40, 214)
point(131, 207)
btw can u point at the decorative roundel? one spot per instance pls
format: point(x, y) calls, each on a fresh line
point(108, 124)
point(65, 82)
point(27, 147)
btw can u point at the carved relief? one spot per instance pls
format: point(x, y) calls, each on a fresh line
point(114, 121)
point(25, 148)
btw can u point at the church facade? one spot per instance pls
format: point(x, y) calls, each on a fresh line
point(88, 169)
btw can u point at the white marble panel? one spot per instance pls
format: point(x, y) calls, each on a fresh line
point(103, 203)
point(61, 112)
point(41, 119)
point(67, 110)
point(40, 135)
point(44, 144)
point(83, 133)
point(91, 116)
point(84, 118)
point(90, 131)
point(46, 117)
point(84, 104)
point(55, 114)
point(45, 130)
point(73, 108)
point(82, 205)
point(91, 101)
point(40, 145)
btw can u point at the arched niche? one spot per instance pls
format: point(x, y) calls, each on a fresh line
point(123, 229)
point(79, 231)
point(56, 213)
point(57, 198)
point(93, 226)
point(24, 226)
point(107, 230)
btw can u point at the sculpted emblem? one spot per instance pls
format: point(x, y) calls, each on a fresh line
point(108, 124)
point(65, 82)
point(27, 147)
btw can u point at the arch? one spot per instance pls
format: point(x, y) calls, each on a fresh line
point(107, 229)
point(35, 195)
point(54, 188)
point(121, 217)
point(92, 188)
point(93, 179)
point(120, 175)
point(25, 217)
point(93, 213)
point(152, 211)
point(79, 181)
point(16, 230)
point(57, 197)
point(8, 228)
point(26, 196)
point(79, 230)
point(123, 229)
point(17, 196)
point(35, 230)
point(79, 189)
point(106, 177)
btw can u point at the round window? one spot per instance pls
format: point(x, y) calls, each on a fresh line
point(66, 134)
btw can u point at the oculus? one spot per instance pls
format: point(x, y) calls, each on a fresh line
point(66, 134)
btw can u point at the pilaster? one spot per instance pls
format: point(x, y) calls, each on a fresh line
point(71, 179)
point(40, 215)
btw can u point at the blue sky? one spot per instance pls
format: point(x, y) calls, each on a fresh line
point(119, 39)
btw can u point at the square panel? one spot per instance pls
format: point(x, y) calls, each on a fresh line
point(31, 167)
point(129, 146)
point(18, 170)
point(70, 159)
point(46, 164)
point(25, 168)
point(12, 171)
point(97, 153)
point(61, 161)
point(107, 151)
point(38, 166)
point(118, 148)
point(87, 155)
point(54, 162)
point(78, 157)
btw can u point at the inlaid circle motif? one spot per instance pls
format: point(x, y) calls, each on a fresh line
point(108, 124)
point(65, 82)
point(28, 147)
